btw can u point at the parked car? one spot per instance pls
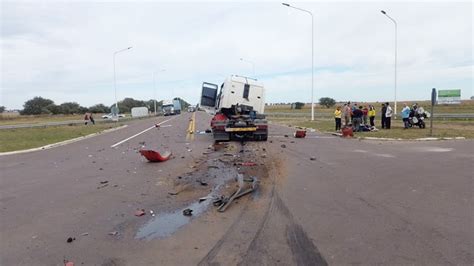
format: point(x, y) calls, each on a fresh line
point(109, 116)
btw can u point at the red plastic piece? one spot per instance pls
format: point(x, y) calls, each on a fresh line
point(154, 156)
point(300, 133)
point(347, 132)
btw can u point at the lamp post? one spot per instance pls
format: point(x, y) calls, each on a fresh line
point(312, 55)
point(395, 23)
point(154, 88)
point(115, 77)
point(250, 62)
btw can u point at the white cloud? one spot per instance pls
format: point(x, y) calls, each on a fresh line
point(63, 51)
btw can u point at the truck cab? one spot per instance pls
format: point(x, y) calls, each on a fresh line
point(238, 107)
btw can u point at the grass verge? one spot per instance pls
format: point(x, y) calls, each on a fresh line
point(441, 129)
point(27, 138)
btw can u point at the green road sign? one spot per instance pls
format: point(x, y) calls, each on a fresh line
point(449, 96)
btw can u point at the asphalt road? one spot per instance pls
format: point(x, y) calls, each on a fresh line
point(356, 202)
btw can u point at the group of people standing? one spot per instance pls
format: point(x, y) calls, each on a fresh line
point(357, 116)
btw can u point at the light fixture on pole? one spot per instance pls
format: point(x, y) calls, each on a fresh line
point(312, 55)
point(115, 79)
point(154, 88)
point(395, 23)
point(250, 62)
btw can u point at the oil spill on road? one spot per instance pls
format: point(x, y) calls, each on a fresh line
point(165, 224)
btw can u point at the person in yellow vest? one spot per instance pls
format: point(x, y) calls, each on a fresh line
point(372, 115)
point(337, 117)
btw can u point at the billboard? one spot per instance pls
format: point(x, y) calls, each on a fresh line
point(449, 96)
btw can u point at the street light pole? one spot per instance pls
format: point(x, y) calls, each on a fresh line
point(115, 77)
point(396, 33)
point(250, 62)
point(312, 55)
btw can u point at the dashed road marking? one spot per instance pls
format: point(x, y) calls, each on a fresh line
point(139, 133)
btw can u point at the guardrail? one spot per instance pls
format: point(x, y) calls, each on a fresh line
point(329, 115)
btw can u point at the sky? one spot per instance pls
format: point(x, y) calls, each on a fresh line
point(64, 50)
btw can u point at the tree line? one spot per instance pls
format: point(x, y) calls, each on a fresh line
point(39, 105)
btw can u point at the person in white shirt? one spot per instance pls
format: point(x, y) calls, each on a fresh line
point(388, 115)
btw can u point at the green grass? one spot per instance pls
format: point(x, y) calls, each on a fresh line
point(27, 138)
point(445, 128)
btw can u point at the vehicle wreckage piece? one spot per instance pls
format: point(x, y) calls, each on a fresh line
point(241, 191)
point(154, 156)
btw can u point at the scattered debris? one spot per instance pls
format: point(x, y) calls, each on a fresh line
point(283, 145)
point(347, 132)
point(154, 156)
point(223, 203)
point(68, 263)
point(203, 199)
point(84, 234)
point(101, 169)
point(140, 212)
point(103, 185)
point(203, 183)
point(70, 239)
point(187, 212)
point(300, 134)
point(212, 167)
point(248, 164)
point(312, 158)
point(286, 136)
point(208, 131)
point(104, 182)
point(113, 233)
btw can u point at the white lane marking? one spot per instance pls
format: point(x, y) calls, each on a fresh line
point(385, 155)
point(361, 151)
point(139, 133)
point(434, 149)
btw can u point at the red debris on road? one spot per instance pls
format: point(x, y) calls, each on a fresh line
point(140, 212)
point(154, 156)
point(300, 133)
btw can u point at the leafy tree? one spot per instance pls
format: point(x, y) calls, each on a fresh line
point(36, 106)
point(328, 102)
point(99, 108)
point(54, 109)
point(71, 108)
point(2, 109)
point(299, 105)
point(126, 105)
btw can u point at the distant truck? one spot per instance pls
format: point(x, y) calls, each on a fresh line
point(177, 106)
point(139, 111)
point(238, 109)
point(168, 108)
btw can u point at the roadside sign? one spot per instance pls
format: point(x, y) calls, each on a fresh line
point(433, 96)
point(449, 96)
point(114, 110)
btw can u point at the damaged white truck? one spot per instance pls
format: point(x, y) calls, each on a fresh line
point(238, 109)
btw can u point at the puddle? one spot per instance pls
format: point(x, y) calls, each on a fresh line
point(165, 224)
